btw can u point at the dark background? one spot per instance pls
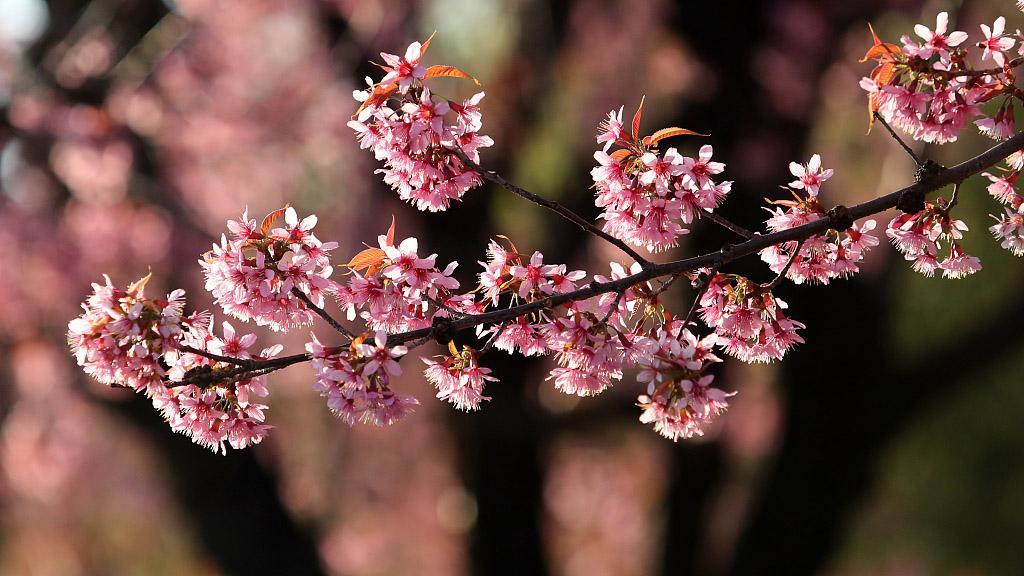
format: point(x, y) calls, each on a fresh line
point(889, 443)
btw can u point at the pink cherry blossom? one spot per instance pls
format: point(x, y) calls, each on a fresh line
point(920, 236)
point(748, 319)
point(459, 379)
point(938, 41)
point(122, 336)
point(404, 69)
point(809, 176)
point(995, 43)
point(611, 129)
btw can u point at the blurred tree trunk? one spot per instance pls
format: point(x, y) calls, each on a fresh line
point(796, 521)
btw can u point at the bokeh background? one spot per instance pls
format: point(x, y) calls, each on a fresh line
point(891, 443)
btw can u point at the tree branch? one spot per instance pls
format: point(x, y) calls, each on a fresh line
point(936, 180)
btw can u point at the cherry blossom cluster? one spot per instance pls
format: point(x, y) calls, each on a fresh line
point(647, 195)
point(919, 236)
point(255, 274)
point(356, 380)
point(122, 336)
point(680, 401)
point(459, 378)
point(230, 409)
point(1009, 226)
point(396, 288)
point(507, 272)
point(416, 133)
point(126, 339)
point(821, 257)
point(748, 319)
point(928, 87)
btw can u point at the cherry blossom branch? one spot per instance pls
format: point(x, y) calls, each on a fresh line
point(444, 329)
point(836, 218)
point(561, 210)
point(322, 313)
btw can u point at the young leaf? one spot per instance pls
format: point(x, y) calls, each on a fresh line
point(669, 133)
point(636, 118)
point(620, 154)
point(880, 49)
point(450, 71)
point(367, 259)
point(269, 219)
point(379, 95)
point(391, 232)
point(426, 44)
point(140, 284)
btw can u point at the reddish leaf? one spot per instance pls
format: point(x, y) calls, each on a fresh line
point(379, 95)
point(873, 107)
point(426, 44)
point(880, 49)
point(884, 74)
point(669, 133)
point(369, 258)
point(269, 220)
point(391, 232)
point(636, 118)
point(620, 154)
point(450, 71)
point(452, 348)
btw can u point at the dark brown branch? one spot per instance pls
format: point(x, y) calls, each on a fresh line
point(255, 368)
point(562, 211)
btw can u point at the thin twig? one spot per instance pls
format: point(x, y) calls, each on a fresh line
point(665, 285)
point(321, 313)
point(778, 278)
point(614, 306)
point(490, 343)
point(727, 224)
point(953, 199)
point(696, 303)
point(257, 368)
point(896, 137)
point(566, 213)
